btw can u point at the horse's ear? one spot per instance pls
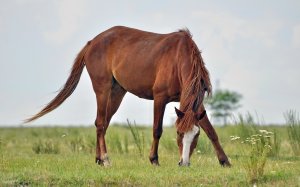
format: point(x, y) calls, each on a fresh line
point(199, 116)
point(179, 113)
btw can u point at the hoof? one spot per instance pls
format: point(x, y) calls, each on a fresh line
point(103, 162)
point(225, 163)
point(155, 163)
point(99, 161)
point(154, 160)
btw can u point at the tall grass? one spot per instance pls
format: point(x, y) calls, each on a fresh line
point(126, 144)
point(204, 146)
point(275, 143)
point(77, 144)
point(116, 144)
point(169, 143)
point(91, 143)
point(1, 142)
point(245, 125)
point(81, 143)
point(293, 123)
point(46, 147)
point(138, 137)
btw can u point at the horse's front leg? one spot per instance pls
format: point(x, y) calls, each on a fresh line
point(159, 109)
point(212, 135)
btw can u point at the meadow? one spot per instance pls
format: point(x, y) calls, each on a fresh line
point(61, 156)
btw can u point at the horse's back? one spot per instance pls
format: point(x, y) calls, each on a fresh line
point(135, 58)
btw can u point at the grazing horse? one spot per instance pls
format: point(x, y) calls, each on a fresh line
point(159, 67)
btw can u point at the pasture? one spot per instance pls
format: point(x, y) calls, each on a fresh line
point(63, 156)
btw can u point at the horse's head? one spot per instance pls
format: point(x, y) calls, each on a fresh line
point(187, 141)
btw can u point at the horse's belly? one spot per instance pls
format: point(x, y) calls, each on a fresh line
point(141, 92)
point(138, 85)
point(144, 95)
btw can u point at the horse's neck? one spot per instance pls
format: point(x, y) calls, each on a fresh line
point(185, 73)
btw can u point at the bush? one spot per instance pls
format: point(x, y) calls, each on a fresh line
point(255, 150)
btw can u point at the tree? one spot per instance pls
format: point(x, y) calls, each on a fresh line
point(223, 103)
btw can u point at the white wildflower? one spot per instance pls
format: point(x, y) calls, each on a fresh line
point(235, 138)
point(263, 131)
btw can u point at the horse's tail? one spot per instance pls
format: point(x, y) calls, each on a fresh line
point(67, 89)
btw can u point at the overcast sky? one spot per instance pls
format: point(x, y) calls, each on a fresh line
point(252, 47)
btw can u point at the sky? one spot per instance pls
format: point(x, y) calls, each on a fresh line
point(251, 47)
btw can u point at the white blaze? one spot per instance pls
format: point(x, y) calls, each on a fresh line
point(186, 142)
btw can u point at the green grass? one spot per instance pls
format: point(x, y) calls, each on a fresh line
point(293, 122)
point(73, 164)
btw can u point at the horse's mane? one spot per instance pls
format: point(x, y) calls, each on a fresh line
point(194, 87)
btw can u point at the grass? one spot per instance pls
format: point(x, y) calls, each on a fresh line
point(138, 137)
point(45, 147)
point(255, 150)
point(293, 122)
point(74, 164)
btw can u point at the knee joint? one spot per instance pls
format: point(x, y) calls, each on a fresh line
point(100, 127)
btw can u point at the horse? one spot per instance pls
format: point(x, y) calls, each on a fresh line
point(160, 67)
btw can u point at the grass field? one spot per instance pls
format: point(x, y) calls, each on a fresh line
point(65, 157)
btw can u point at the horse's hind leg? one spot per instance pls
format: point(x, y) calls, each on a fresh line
point(108, 103)
point(101, 124)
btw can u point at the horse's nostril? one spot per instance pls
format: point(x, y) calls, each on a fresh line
point(180, 163)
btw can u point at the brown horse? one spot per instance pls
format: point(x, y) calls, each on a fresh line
point(160, 67)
